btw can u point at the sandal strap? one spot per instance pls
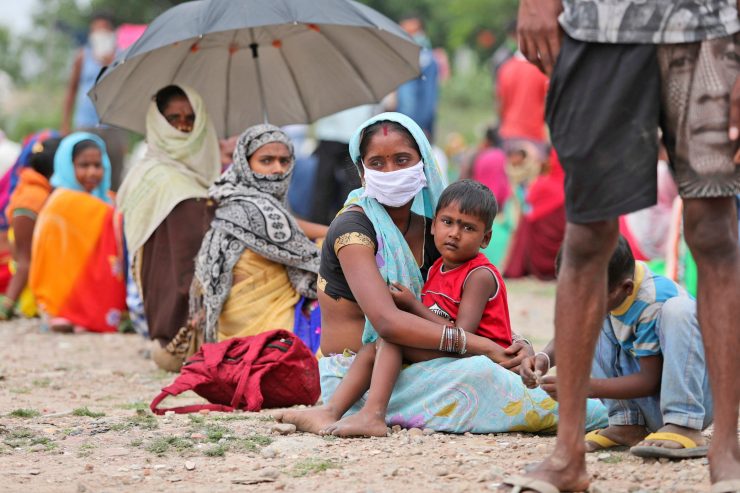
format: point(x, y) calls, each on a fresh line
point(599, 439)
point(537, 485)
point(673, 437)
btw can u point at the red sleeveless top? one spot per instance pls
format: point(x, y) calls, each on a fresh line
point(443, 291)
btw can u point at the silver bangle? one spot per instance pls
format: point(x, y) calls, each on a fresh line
point(546, 356)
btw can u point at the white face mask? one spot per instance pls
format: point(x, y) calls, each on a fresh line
point(102, 43)
point(395, 188)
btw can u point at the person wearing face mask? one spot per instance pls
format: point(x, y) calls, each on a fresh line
point(257, 265)
point(164, 201)
point(383, 237)
point(77, 261)
point(79, 111)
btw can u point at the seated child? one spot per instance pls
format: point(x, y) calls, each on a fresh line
point(648, 367)
point(463, 289)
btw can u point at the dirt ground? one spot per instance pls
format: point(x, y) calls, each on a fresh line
point(74, 417)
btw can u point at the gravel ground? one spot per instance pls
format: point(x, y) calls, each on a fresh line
point(74, 417)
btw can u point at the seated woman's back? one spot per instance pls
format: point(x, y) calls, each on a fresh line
point(77, 254)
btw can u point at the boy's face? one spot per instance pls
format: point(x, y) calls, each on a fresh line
point(458, 236)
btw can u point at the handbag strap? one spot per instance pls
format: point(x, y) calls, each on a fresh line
point(193, 408)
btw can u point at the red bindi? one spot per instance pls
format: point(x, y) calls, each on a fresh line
point(385, 130)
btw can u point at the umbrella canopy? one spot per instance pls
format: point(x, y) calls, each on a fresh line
point(292, 61)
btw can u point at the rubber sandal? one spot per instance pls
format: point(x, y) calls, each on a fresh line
point(602, 441)
point(690, 449)
point(728, 486)
point(521, 483)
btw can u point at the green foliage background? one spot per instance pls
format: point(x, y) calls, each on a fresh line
point(60, 26)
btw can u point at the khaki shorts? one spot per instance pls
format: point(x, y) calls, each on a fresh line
point(696, 80)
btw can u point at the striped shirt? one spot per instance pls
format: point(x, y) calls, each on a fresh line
point(634, 321)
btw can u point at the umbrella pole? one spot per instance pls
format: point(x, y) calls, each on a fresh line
point(255, 55)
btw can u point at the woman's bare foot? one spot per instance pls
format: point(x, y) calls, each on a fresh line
point(362, 424)
point(564, 469)
point(310, 420)
point(627, 435)
point(690, 433)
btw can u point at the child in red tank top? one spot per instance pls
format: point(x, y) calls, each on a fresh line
point(443, 292)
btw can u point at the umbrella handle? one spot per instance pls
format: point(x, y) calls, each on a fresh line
point(255, 55)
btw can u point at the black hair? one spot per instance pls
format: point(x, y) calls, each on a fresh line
point(493, 137)
point(166, 94)
point(621, 263)
point(371, 130)
point(42, 160)
point(82, 145)
point(472, 197)
point(102, 16)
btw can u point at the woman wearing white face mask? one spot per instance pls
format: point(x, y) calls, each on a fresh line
point(79, 112)
point(383, 235)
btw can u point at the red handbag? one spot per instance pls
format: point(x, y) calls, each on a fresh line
point(268, 370)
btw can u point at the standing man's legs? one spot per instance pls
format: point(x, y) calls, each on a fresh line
point(603, 114)
point(697, 79)
point(710, 226)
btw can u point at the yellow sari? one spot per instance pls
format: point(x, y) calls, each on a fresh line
point(262, 298)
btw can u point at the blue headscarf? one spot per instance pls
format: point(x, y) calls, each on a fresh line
point(64, 168)
point(395, 260)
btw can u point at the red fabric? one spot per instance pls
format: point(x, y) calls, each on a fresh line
point(268, 370)
point(489, 168)
point(522, 90)
point(5, 275)
point(443, 292)
point(625, 230)
point(535, 246)
point(90, 306)
point(547, 192)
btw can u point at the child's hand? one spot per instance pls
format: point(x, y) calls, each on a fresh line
point(402, 296)
point(533, 369)
point(515, 354)
point(549, 385)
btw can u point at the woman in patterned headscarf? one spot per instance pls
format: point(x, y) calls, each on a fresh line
point(256, 262)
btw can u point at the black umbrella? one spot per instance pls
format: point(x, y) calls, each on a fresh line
point(292, 61)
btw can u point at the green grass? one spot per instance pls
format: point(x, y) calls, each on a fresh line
point(242, 417)
point(196, 419)
point(135, 406)
point(84, 411)
point(136, 442)
point(85, 450)
point(218, 450)
point(20, 390)
point(24, 413)
point(160, 446)
point(23, 437)
point(41, 382)
point(312, 465)
point(142, 419)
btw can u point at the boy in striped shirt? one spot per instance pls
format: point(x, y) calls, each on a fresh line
point(648, 366)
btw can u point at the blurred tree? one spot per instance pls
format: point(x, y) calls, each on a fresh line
point(10, 55)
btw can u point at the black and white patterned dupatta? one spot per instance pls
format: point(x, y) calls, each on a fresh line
point(252, 214)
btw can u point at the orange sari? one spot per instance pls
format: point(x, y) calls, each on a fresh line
point(77, 267)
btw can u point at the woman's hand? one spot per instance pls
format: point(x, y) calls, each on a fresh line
point(402, 296)
point(515, 354)
point(532, 369)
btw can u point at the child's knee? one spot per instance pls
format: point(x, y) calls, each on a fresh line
point(680, 313)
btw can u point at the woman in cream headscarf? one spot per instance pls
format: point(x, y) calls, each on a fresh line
point(164, 200)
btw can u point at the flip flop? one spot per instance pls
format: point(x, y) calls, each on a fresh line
point(728, 486)
point(602, 441)
point(521, 483)
point(690, 449)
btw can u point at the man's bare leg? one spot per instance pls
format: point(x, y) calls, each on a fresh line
point(710, 226)
point(580, 306)
point(353, 386)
